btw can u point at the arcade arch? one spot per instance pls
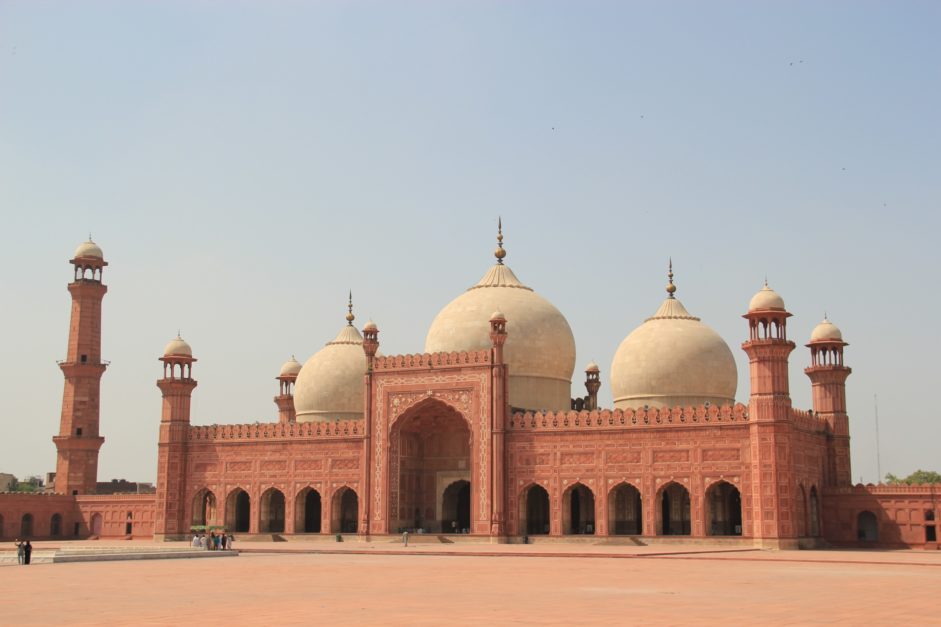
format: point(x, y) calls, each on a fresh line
point(204, 508)
point(867, 527)
point(673, 513)
point(308, 511)
point(625, 511)
point(272, 511)
point(344, 511)
point(534, 511)
point(723, 510)
point(26, 526)
point(238, 511)
point(578, 510)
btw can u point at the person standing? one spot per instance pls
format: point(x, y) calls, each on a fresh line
point(20, 551)
point(27, 552)
point(231, 542)
point(223, 540)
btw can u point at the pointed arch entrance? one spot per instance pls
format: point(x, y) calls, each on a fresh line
point(204, 508)
point(625, 511)
point(430, 451)
point(26, 526)
point(813, 510)
point(673, 515)
point(238, 511)
point(724, 510)
point(578, 510)
point(308, 510)
point(455, 507)
point(867, 527)
point(272, 511)
point(534, 511)
point(345, 511)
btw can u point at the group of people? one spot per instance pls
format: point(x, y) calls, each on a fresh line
point(213, 541)
point(24, 551)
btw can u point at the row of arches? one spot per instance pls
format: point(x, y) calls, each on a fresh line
point(308, 511)
point(28, 525)
point(625, 510)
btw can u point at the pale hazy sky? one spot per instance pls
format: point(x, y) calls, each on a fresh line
point(244, 164)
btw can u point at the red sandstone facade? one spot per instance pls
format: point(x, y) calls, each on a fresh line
point(439, 449)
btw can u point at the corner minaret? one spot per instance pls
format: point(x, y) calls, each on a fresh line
point(177, 386)
point(773, 509)
point(828, 378)
point(285, 398)
point(78, 441)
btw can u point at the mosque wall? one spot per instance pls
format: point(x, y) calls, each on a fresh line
point(888, 516)
point(51, 516)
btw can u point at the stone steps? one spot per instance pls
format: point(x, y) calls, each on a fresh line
point(108, 554)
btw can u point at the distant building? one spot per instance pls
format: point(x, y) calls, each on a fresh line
point(7, 482)
point(480, 435)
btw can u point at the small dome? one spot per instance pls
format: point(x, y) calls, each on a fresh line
point(497, 315)
point(291, 366)
point(592, 367)
point(178, 347)
point(88, 249)
point(826, 331)
point(330, 384)
point(673, 359)
point(370, 326)
point(766, 299)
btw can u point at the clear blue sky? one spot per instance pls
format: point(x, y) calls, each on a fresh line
point(244, 164)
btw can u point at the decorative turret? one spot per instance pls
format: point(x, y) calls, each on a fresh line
point(828, 378)
point(285, 398)
point(78, 441)
point(768, 349)
point(370, 341)
point(177, 386)
point(592, 384)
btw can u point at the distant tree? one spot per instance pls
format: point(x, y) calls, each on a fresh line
point(33, 483)
point(916, 478)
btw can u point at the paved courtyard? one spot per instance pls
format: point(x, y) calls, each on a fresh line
point(555, 585)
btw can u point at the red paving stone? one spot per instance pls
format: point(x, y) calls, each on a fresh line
point(825, 587)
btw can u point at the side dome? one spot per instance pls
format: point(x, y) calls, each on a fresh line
point(540, 346)
point(766, 299)
point(673, 359)
point(330, 384)
point(826, 331)
point(177, 347)
point(290, 367)
point(88, 249)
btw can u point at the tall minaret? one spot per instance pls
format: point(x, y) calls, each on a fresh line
point(828, 378)
point(772, 511)
point(177, 386)
point(285, 398)
point(78, 441)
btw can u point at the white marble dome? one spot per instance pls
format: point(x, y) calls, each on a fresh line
point(766, 299)
point(88, 249)
point(290, 367)
point(673, 359)
point(330, 384)
point(826, 331)
point(177, 347)
point(539, 349)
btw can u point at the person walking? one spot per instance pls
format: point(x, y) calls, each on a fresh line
point(20, 551)
point(223, 540)
point(27, 552)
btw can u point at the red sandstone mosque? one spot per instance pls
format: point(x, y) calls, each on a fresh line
point(479, 435)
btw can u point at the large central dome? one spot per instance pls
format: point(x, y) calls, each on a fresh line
point(673, 359)
point(540, 347)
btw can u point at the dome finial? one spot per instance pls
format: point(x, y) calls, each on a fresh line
point(499, 253)
point(349, 310)
point(671, 289)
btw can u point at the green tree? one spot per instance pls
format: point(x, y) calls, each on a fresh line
point(916, 478)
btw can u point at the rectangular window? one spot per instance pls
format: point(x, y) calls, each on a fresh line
point(78, 431)
point(929, 514)
point(84, 359)
point(930, 533)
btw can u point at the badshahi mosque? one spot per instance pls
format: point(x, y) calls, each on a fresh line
point(489, 434)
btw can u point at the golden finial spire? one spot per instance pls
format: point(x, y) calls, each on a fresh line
point(499, 253)
point(349, 309)
point(671, 289)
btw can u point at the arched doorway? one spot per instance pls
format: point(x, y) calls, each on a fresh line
point(724, 510)
point(814, 513)
point(204, 508)
point(867, 527)
point(625, 511)
point(307, 511)
point(272, 511)
point(578, 510)
point(26, 526)
point(2, 528)
point(534, 511)
point(455, 507)
point(430, 449)
point(238, 511)
point(345, 511)
point(55, 525)
point(674, 517)
point(96, 524)
point(801, 512)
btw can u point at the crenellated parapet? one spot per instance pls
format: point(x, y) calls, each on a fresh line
point(628, 418)
point(807, 420)
point(423, 361)
point(336, 429)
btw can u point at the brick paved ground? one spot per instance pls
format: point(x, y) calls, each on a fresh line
point(788, 587)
